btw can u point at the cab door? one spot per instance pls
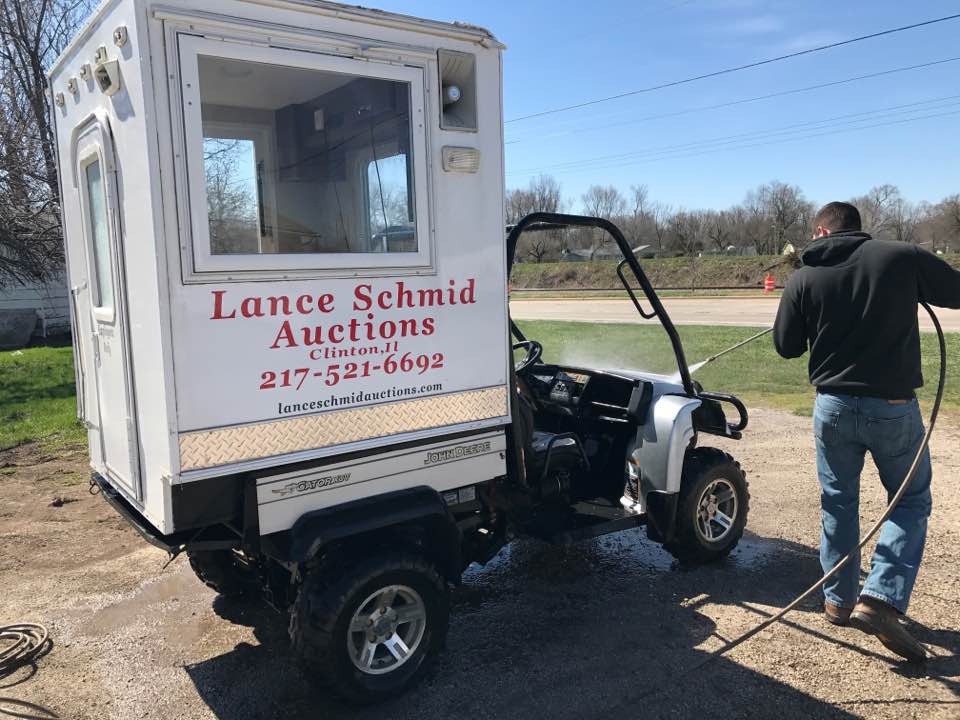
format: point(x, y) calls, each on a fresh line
point(114, 415)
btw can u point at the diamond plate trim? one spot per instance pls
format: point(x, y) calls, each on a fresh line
point(210, 448)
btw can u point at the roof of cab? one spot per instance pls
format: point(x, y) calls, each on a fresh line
point(483, 35)
point(457, 30)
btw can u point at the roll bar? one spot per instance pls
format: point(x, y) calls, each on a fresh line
point(532, 221)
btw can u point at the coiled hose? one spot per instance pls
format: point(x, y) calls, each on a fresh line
point(25, 644)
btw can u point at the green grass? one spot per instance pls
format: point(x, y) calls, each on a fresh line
point(620, 294)
point(755, 373)
point(682, 272)
point(37, 401)
point(37, 398)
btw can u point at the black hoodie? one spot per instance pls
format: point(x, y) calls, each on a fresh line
point(854, 305)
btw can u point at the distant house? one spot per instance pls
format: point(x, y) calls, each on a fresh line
point(50, 301)
point(574, 256)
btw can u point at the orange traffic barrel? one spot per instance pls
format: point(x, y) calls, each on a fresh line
point(769, 283)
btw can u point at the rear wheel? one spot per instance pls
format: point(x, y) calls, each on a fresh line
point(220, 570)
point(712, 507)
point(371, 632)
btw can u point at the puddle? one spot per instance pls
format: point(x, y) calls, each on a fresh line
point(614, 562)
point(129, 610)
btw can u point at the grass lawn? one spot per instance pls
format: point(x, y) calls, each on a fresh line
point(618, 294)
point(37, 401)
point(755, 373)
point(37, 398)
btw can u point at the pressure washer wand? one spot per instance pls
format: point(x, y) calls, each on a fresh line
point(697, 366)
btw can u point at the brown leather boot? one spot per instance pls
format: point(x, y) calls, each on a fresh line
point(836, 614)
point(881, 620)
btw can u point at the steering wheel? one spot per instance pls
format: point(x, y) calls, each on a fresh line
point(534, 352)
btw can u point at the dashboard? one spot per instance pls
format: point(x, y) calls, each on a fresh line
point(575, 392)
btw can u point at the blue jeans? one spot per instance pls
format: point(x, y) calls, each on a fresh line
point(846, 427)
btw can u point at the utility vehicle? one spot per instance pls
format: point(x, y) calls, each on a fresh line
point(284, 237)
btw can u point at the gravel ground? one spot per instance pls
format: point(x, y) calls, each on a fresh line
point(605, 629)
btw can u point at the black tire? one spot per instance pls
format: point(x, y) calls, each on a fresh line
point(701, 468)
point(221, 571)
point(325, 606)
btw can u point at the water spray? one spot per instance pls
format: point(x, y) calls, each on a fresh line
point(696, 366)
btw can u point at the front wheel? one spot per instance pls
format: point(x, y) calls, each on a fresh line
point(712, 507)
point(371, 632)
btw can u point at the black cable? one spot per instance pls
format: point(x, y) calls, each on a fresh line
point(829, 123)
point(733, 103)
point(738, 68)
point(698, 153)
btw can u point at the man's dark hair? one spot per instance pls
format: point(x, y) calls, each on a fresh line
point(837, 216)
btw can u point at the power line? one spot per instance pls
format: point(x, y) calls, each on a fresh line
point(738, 68)
point(833, 121)
point(759, 144)
point(732, 103)
point(680, 154)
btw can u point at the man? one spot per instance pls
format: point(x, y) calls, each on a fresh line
point(853, 304)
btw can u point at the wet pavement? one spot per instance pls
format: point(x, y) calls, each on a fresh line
point(608, 628)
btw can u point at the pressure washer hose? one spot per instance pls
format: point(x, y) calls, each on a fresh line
point(27, 642)
point(727, 647)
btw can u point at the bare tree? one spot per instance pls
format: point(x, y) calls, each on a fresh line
point(905, 219)
point(949, 208)
point(32, 34)
point(940, 226)
point(637, 224)
point(718, 229)
point(543, 194)
point(661, 215)
point(231, 200)
point(785, 212)
point(877, 208)
point(687, 231)
point(603, 201)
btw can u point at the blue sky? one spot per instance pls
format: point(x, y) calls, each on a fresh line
point(562, 52)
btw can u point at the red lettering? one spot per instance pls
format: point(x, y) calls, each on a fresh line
point(404, 296)
point(303, 304)
point(325, 303)
point(312, 336)
point(408, 327)
point(279, 305)
point(251, 307)
point(384, 300)
point(468, 295)
point(362, 299)
point(354, 330)
point(285, 335)
point(335, 333)
point(218, 306)
point(429, 325)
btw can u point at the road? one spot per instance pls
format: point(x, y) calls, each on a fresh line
point(609, 629)
point(749, 311)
